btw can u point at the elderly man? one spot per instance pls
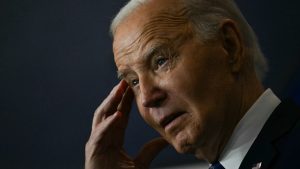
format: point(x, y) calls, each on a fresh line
point(193, 67)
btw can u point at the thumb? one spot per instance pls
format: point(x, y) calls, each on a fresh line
point(149, 151)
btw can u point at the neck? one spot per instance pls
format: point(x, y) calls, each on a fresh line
point(246, 91)
point(251, 90)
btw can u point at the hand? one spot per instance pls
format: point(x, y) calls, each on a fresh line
point(104, 149)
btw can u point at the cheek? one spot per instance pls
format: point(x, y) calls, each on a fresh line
point(184, 87)
point(144, 112)
point(141, 109)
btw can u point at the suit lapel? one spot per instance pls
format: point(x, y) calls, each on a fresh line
point(264, 150)
point(260, 153)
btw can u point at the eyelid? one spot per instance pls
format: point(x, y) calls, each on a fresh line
point(125, 74)
point(130, 78)
point(162, 54)
point(160, 57)
point(132, 81)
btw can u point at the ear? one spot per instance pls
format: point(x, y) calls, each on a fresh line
point(232, 43)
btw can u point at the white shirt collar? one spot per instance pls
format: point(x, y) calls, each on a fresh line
point(248, 129)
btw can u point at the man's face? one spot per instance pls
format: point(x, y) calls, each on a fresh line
point(182, 86)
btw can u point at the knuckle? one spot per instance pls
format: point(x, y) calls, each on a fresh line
point(105, 107)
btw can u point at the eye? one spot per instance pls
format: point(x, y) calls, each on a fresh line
point(134, 82)
point(160, 61)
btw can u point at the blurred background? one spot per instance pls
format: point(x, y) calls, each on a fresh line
point(56, 66)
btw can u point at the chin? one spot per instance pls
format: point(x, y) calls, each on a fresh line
point(183, 144)
point(184, 149)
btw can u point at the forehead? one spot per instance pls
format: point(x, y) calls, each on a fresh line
point(156, 21)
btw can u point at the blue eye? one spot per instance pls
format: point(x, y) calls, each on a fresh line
point(134, 82)
point(161, 61)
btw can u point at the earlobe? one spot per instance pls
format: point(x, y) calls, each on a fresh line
point(232, 44)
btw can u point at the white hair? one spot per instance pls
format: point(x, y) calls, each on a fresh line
point(206, 16)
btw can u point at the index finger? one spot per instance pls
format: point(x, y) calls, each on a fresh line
point(110, 103)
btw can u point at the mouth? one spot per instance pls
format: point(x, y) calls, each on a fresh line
point(169, 119)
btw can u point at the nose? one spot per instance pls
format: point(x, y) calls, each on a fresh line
point(152, 94)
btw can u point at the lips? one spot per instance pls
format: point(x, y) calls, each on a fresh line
point(168, 119)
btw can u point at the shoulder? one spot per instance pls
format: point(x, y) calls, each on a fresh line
point(279, 140)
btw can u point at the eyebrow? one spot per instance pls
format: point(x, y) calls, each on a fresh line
point(149, 54)
point(153, 50)
point(122, 74)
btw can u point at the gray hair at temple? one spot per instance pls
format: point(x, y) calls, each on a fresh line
point(205, 16)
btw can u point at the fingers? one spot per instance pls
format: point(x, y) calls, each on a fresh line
point(110, 104)
point(123, 109)
point(149, 151)
point(100, 132)
point(111, 117)
point(108, 123)
point(108, 130)
point(125, 106)
point(125, 161)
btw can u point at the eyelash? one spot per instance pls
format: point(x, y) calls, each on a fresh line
point(134, 82)
point(159, 62)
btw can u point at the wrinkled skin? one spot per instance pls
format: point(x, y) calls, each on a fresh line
point(192, 93)
point(104, 148)
point(172, 73)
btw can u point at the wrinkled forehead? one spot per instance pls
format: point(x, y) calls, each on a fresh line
point(147, 9)
point(155, 21)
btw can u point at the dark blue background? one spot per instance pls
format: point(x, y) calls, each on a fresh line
point(56, 66)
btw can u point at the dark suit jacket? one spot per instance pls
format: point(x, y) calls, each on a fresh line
point(278, 144)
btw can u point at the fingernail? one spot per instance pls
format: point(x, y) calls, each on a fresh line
point(118, 113)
